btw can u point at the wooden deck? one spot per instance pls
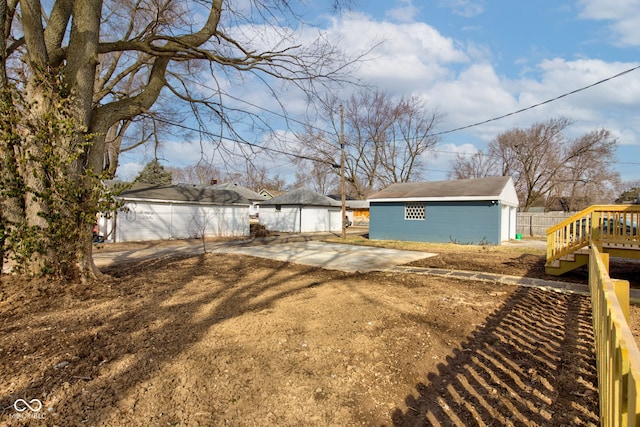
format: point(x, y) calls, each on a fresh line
point(614, 229)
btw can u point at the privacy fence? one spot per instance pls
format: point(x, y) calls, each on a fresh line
point(536, 223)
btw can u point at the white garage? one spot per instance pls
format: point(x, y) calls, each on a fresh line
point(152, 212)
point(301, 211)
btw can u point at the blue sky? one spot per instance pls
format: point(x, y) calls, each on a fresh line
point(475, 60)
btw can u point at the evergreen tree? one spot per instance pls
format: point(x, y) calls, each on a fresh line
point(154, 173)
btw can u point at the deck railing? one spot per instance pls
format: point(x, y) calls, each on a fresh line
point(607, 230)
point(610, 225)
point(617, 354)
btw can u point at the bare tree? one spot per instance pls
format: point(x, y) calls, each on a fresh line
point(532, 157)
point(198, 174)
point(410, 138)
point(543, 163)
point(201, 223)
point(385, 139)
point(478, 165)
point(318, 177)
point(110, 62)
point(250, 175)
point(586, 176)
point(256, 178)
point(318, 160)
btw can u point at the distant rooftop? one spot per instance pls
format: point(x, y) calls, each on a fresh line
point(302, 196)
point(183, 193)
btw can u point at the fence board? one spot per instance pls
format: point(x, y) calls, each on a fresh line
point(536, 223)
point(617, 354)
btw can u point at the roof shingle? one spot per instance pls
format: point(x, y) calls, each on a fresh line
point(487, 187)
point(302, 196)
point(183, 193)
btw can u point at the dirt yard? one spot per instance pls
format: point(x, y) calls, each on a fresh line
point(212, 340)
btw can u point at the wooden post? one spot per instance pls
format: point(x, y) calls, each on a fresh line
point(595, 231)
point(621, 289)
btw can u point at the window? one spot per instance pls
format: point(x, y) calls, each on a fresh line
point(414, 211)
point(278, 208)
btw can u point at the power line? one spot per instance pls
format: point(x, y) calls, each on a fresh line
point(538, 104)
point(238, 141)
point(274, 150)
point(275, 113)
point(485, 154)
point(493, 119)
point(284, 116)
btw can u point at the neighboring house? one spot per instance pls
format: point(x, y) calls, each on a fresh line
point(568, 204)
point(301, 211)
point(467, 211)
point(162, 212)
point(253, 197)
point(270, 194)
point(359, 210)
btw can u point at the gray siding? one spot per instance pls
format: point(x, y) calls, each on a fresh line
point(468, 222)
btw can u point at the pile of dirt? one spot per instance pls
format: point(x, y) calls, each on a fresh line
point(230, 340)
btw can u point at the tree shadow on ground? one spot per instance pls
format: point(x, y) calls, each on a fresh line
point(513, 370)
point(115, 335)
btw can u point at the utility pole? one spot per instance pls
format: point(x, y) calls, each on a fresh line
point(342, 180)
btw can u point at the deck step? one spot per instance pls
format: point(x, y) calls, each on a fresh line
point(615, 231)
point(567, 263)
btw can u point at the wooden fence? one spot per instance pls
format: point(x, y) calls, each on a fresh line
point(536, 223)
point(617, 354)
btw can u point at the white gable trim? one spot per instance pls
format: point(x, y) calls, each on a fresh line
point(445, 199)
point(507, 197)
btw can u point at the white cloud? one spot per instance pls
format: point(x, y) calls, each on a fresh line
point(182, 153)
point(409, 55)
point(560, 76)
point(128, 171)
point(624, 17)
point(607, 105)
point(461, 81)
point(405, 12)
point(476, 94)
point(479, 94)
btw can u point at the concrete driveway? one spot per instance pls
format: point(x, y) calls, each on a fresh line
point(301, 249)
point(332, 256)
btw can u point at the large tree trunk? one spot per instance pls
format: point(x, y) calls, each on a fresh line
point(82, 60)
point(47, 138)
point(30, 152)
point(59, 153)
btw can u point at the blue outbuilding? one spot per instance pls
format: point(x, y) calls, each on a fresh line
point(466, 211)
